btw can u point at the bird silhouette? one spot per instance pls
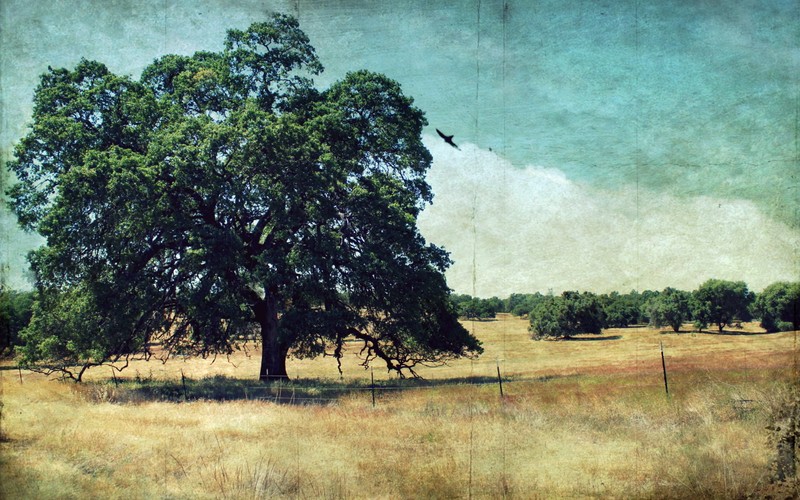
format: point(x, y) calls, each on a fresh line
point(448, 139)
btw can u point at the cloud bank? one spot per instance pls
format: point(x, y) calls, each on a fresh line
point(529, 229)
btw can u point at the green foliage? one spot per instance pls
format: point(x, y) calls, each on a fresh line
point(699, 323)
point(778, 306)
point(720, 302)
point(549, 318)
point(521, 304)
point(670, 308)
point(223, 194)
point(497, 305)
point(15, 313)
point(622, 310)
point(566, 315)
point(78, 327)
point(476, 308)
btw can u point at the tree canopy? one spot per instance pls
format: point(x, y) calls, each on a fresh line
point(622, 310)
point(778, 306)
point(569, 314)
point(469, 307)
point(720, 302)
point(671, 308)
point(521, 304)
point(223, 196)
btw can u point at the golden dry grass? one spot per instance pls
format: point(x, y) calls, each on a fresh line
point(580, 419)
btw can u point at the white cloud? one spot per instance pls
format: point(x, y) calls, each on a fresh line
point(533, 229)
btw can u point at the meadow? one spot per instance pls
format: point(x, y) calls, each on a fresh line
point(582, 418)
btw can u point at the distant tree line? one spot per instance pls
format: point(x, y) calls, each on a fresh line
point(469, 307)
point(716, 302)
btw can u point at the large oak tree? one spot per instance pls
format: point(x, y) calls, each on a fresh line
point(222, 195)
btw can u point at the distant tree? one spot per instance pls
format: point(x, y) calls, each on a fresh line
point(222, 194)
point(720, 302)
point(513, 301)
point(643, 299)
point(701, 313)
point(469, 309)
point(778, 306)
point(477, 308)
point(614, 309)
point(521, 304)
point(549, 318)
point(567, 315)
point(457, 299)
point(670, 308)
point(621, 310)
point(485, 308)
point(586, 310)
point(15, 312)
point(496, 304)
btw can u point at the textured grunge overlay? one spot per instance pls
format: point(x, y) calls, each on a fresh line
point(602, 145)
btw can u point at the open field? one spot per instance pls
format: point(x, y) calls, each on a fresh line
point(580, 418)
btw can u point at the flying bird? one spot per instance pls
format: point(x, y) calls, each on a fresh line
point(448, 139)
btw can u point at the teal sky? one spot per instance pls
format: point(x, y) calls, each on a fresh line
point(605, 144)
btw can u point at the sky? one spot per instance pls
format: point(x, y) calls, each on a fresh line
point(604, 145)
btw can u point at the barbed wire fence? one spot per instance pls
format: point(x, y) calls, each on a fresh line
point(300, 393)
point(310, 391)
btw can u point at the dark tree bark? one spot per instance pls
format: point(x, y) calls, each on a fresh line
point(273, 352)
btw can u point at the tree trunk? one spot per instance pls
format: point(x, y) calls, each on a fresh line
point(273, 352)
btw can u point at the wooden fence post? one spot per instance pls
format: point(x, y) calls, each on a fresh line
point(183, 383)
point(500, 380)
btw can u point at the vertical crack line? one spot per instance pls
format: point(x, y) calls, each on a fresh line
point(505, 197)
point(476, 123)
point(477, 64)
point(637, 159)
point(795, 179)
point(504, 184)
point(164, 48)
point(476, 126)
point(637, 150)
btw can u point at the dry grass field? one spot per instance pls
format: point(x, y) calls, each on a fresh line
point(584, 418)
